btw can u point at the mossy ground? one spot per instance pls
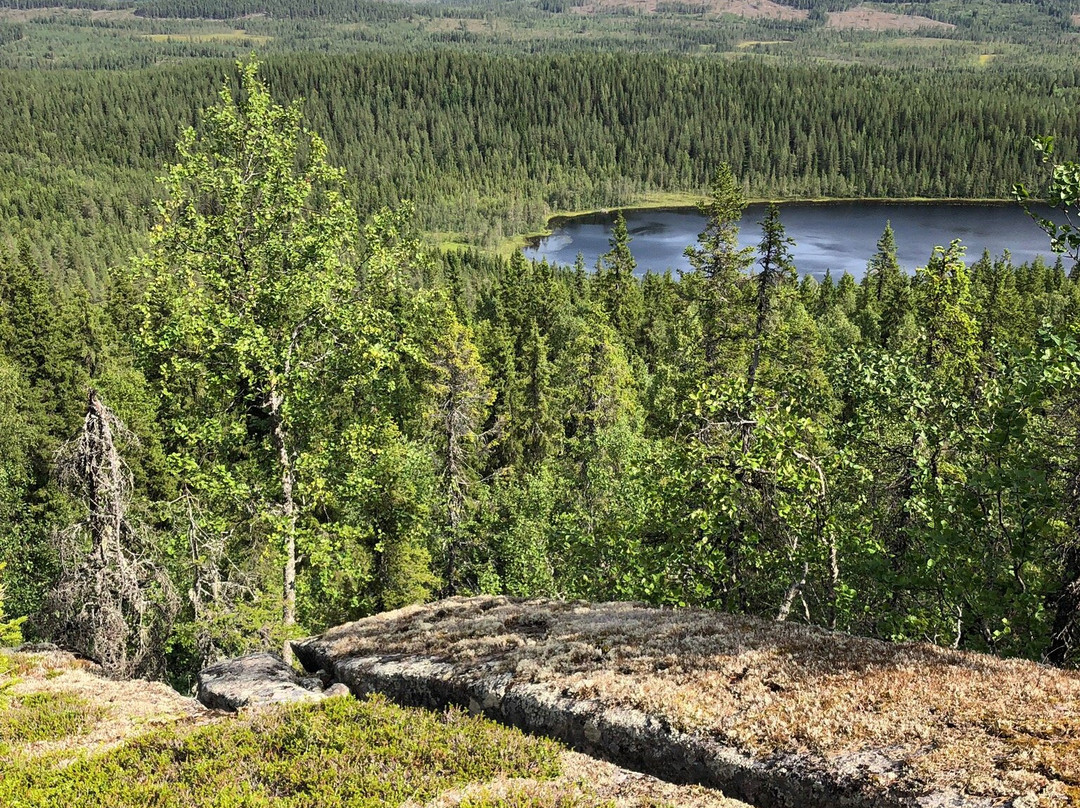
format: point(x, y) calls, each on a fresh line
point(340, 752)
point(43, 717)
point(27, 718)
point(932, 720)
point(71, 739)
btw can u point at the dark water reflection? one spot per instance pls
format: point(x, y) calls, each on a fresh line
point(836, 236)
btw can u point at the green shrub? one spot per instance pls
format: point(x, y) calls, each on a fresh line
point(337, 753)
point(526, 797)
point(10, 630)
point(42, 717)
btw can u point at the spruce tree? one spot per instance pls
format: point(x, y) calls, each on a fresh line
point(719, 264)
point(617, 287)
point(777, 269)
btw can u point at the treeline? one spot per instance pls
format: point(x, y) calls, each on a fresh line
point(65, 35)
point(488, 145)
point(96, 5)
point(350, 10)
point(985, 19)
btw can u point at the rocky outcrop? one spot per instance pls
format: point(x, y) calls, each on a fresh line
point(776, 715)
point(256, 680)
point(626, 737)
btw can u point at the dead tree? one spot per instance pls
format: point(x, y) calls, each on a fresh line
point(111, 602)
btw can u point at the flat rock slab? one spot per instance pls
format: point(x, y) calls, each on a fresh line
point(252, 681)
point(773, 714)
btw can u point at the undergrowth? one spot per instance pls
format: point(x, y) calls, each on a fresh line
point(336, 753)
point(536, 796)
point(41, 717)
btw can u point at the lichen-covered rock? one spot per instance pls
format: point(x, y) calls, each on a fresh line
point(254, 680)
point(774, 714)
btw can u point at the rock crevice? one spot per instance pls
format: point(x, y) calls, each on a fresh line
point(626, 737)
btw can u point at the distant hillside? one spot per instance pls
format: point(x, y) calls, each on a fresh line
point(140, 33)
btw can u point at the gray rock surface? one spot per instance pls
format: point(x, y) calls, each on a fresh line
point(416, 661)
point(624, 736)
point(251, 681)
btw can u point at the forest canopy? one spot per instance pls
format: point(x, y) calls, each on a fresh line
point(312, 417)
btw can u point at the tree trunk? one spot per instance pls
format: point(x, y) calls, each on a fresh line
point(1065, 631)
point(1066, 627)
point(288, 514)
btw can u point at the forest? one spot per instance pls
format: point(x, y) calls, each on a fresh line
point(288, 409)
point(121, 34)
point(487, 146)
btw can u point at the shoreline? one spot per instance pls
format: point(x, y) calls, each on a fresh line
point(687, 201)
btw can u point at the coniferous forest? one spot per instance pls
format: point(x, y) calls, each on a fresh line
point(299, 378)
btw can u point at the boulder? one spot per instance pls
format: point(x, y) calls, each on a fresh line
point(251, 681)
point(774, 714)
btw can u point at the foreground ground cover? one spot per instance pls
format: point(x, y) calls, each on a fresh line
point(71, 738)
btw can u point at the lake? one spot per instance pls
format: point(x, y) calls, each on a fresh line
point(836, 236)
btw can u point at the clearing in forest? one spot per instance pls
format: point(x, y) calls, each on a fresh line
point(871, 19)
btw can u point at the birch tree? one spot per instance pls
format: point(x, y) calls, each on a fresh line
point(250, 304)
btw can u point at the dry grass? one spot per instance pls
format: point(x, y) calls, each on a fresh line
point(751, 43)
point(125, 709)
point(26, 14)
point(584, 783)
point(757, 9)
point(235, 35)
point(870, 19)
point(923, 718)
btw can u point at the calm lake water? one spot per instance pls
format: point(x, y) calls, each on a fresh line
point(836, 236)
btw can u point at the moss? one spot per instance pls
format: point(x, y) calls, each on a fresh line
point(529, 798)
point(946, 719)
point(12, 663)
point(1052, 747)
point(336, 753)
point(44, 717)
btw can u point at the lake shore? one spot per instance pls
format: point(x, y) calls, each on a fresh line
point(679, 201)
point(834, 235)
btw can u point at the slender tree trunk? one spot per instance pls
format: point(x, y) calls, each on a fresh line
point(455, 492)
point(789, 597)
point(288, 513)
point(755, 356)
point(1065, 631)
